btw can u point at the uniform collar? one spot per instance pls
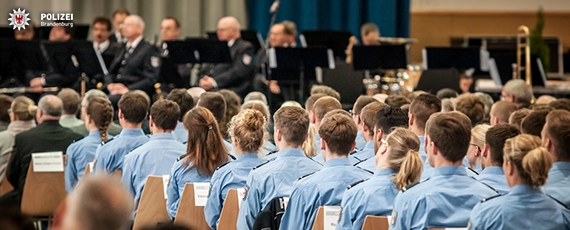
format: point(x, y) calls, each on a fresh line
point(337, 162)
point(422, 139)
point(291, 153)
point(384, 171)
point(131, 132)
point(369, 145)
point(493, 170)
point(560, 166)
point(180, 125)
point(231, 42)
point(449, 170)
point(162, 136)
point(94, 133)
point(246, 156)
point(524, 189)
point(135, 43)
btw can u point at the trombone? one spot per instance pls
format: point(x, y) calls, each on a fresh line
point(523, 33)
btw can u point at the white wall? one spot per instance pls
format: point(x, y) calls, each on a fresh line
point(490, 5)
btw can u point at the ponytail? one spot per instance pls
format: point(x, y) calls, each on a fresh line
point(101, 112)
point(410, 170)
point(536, 165)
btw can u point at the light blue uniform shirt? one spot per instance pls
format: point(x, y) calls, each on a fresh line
point(361, 155)
point(231, 175)
point(368, 164)
point(155, 158)
point(80, 153)
point(273, 179)
point(180, 134)
point(372, 197)
point(428, 170)
point(494, 177)
point(558, 182)
point(422, 150)
point(267, 148)
point(323, 188)
point(477, 168)
point(319, 157)
point(179, 176)
point(109, 157)
point(443, 200)
point(360, 141)
point(523, 207)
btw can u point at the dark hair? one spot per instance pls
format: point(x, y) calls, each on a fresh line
point(233, 104)
point(396, 101)
point(557, 129)
point(183, 99)
point(67, 29)
point(389, 118)
point(534, 122)
point(70, 99)
point(5, 104)
point(214, 102)
point(103, 20)
point(100, 110)
point(560, 103)
point(293, 122)
point(176, 22)
point(422, 107)
point(339, 132)
point(206, 150)
point(472, 106)
point(496, 137)
point(134, 107)
point(121, 11)
point(451, 133)
point(165, 114)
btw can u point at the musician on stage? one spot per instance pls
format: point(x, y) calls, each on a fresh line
point(370, 35)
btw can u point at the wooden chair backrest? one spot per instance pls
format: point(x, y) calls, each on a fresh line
point(152, 205)
point(188, 213)
point(375, 223)
point(230, 211)
point(5, 187)
point(319, 224)
point(43, 192)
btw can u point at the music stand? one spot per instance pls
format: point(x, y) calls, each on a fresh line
point(299, 59)
point(460, 58)
point(85, 55)
point(331, 39)
point(380, 57)
point(504, 60)
point(6, 32)
point(251, 36)
point(7, 57)
point(63, 60)
point(198, 51)
point(30, 56)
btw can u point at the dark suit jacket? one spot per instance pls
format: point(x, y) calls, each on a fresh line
point(137, 71)
point(238, 75)
point(47, 136)
point(60, 72)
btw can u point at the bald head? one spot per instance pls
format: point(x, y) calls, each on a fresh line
point(544, 99)
point(228, 29)
point(501, 111)
point(132, 27)
point(50, 107)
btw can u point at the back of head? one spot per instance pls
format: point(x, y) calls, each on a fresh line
point(368, 114)
point(396, 101)
point(557, 129)
point(255, 96)
point(495, 138)
point(478, 134)
point(71, 100)
point(310, 102)
point(206, 150)
point(520, 91)
point(404, 157)
point(324, 105)
point(487, 101)
point(446, 93)
point(360, 102)
point(368, 27)
point(503, 110)
point(336, 112)
point(93, 93)
point(534, 122)
point(214, 102)
point(233, 104)
point(560, 103)
point(51, 105)
point(248, 129)
point(445, 126)
point(293, 122)
point(517, 117)
point(531, 159)
point(24, 108)
point(165, 114)
point(422, 107)
point(544, 99)
point(289, 28)
point(472, 106)
point(327, 90)
point(389, 117)
point(5, 103)
point(257, 105)
point(183, 99)
point(100, 202)
point(100, 110)
point(134, 107)
point(339, 133)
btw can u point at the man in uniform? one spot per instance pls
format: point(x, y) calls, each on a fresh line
point(448, 196)
point(102, 42)
point(555, 136)
point(321, 107)
point(118, 19)
point(172, 75)
point(492, 154)
point(236, 76)
point(136, 65)
point(326, 186)
point(275, 178)
point(368, 121)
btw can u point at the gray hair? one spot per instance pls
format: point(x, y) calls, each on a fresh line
point(51, 105)
point(520, 91)
point(100, 202)
point(93, 93)
point(255, 95)
point(138, 20)
point(487, 100)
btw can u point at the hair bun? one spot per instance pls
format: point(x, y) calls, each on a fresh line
point(32, 109)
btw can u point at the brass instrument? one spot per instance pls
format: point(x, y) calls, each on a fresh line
point(397, 41)
point(158, 91)
point(26, 90)
point(523, 33)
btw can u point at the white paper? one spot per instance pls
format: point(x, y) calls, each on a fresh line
point(165, 180)
point(285, 202)
point(330, 57)
point(389, 220)
point(484, 60)
point(48, 162)
point(240, 195)
point(494, 72)
point(201, 191)
point(332, 213)
point(90, 166)
point(272, 58)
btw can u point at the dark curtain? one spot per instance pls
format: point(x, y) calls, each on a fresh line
point(391, 16)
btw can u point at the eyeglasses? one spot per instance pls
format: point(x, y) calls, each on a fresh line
point(351, 112)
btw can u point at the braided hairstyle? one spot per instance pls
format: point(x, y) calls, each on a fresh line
point(100, 110)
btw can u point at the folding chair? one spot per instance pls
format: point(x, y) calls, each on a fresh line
point(5, 187)
point(152, 205)
point(188, 213)
point(43, 192)
point(320, 222)
point(230, 211)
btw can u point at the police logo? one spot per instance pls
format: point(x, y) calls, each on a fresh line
point(246, 59)
point(19, 19)
point(154, 61)
point(246, 189)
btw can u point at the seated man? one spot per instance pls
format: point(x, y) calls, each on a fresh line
point(237, 75)
point(321, 107)
point(368, 121)
point(492, 154)
point(356, 110)
point(421, 108)
point(500, 112)
point(186, 103)
point(135, 66)
point(71, 101)
point(555, 136)
point(446, 199)
point(275, 178)
point(173, 76)
point(101, 42)
point(326, 186)
point(518, 92)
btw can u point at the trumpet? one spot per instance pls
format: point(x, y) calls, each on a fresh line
point(523, 33)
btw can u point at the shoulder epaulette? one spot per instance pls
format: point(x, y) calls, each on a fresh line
point(366, 170)
point(272, 152)
point(355, 183)
point(181, 157)
point(306, 175)
point(353, 152)
point(489, 187)
point(310, 158)
point(78, 139)
point(224, 164)
point(149, 135)
point(231, 156)
point(408, 187)
point(557, 201)
point(472, 170)
point(489, 198)
point(109, 140)
point(262, 164)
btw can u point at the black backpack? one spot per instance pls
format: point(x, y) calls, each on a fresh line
point(270, 217)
